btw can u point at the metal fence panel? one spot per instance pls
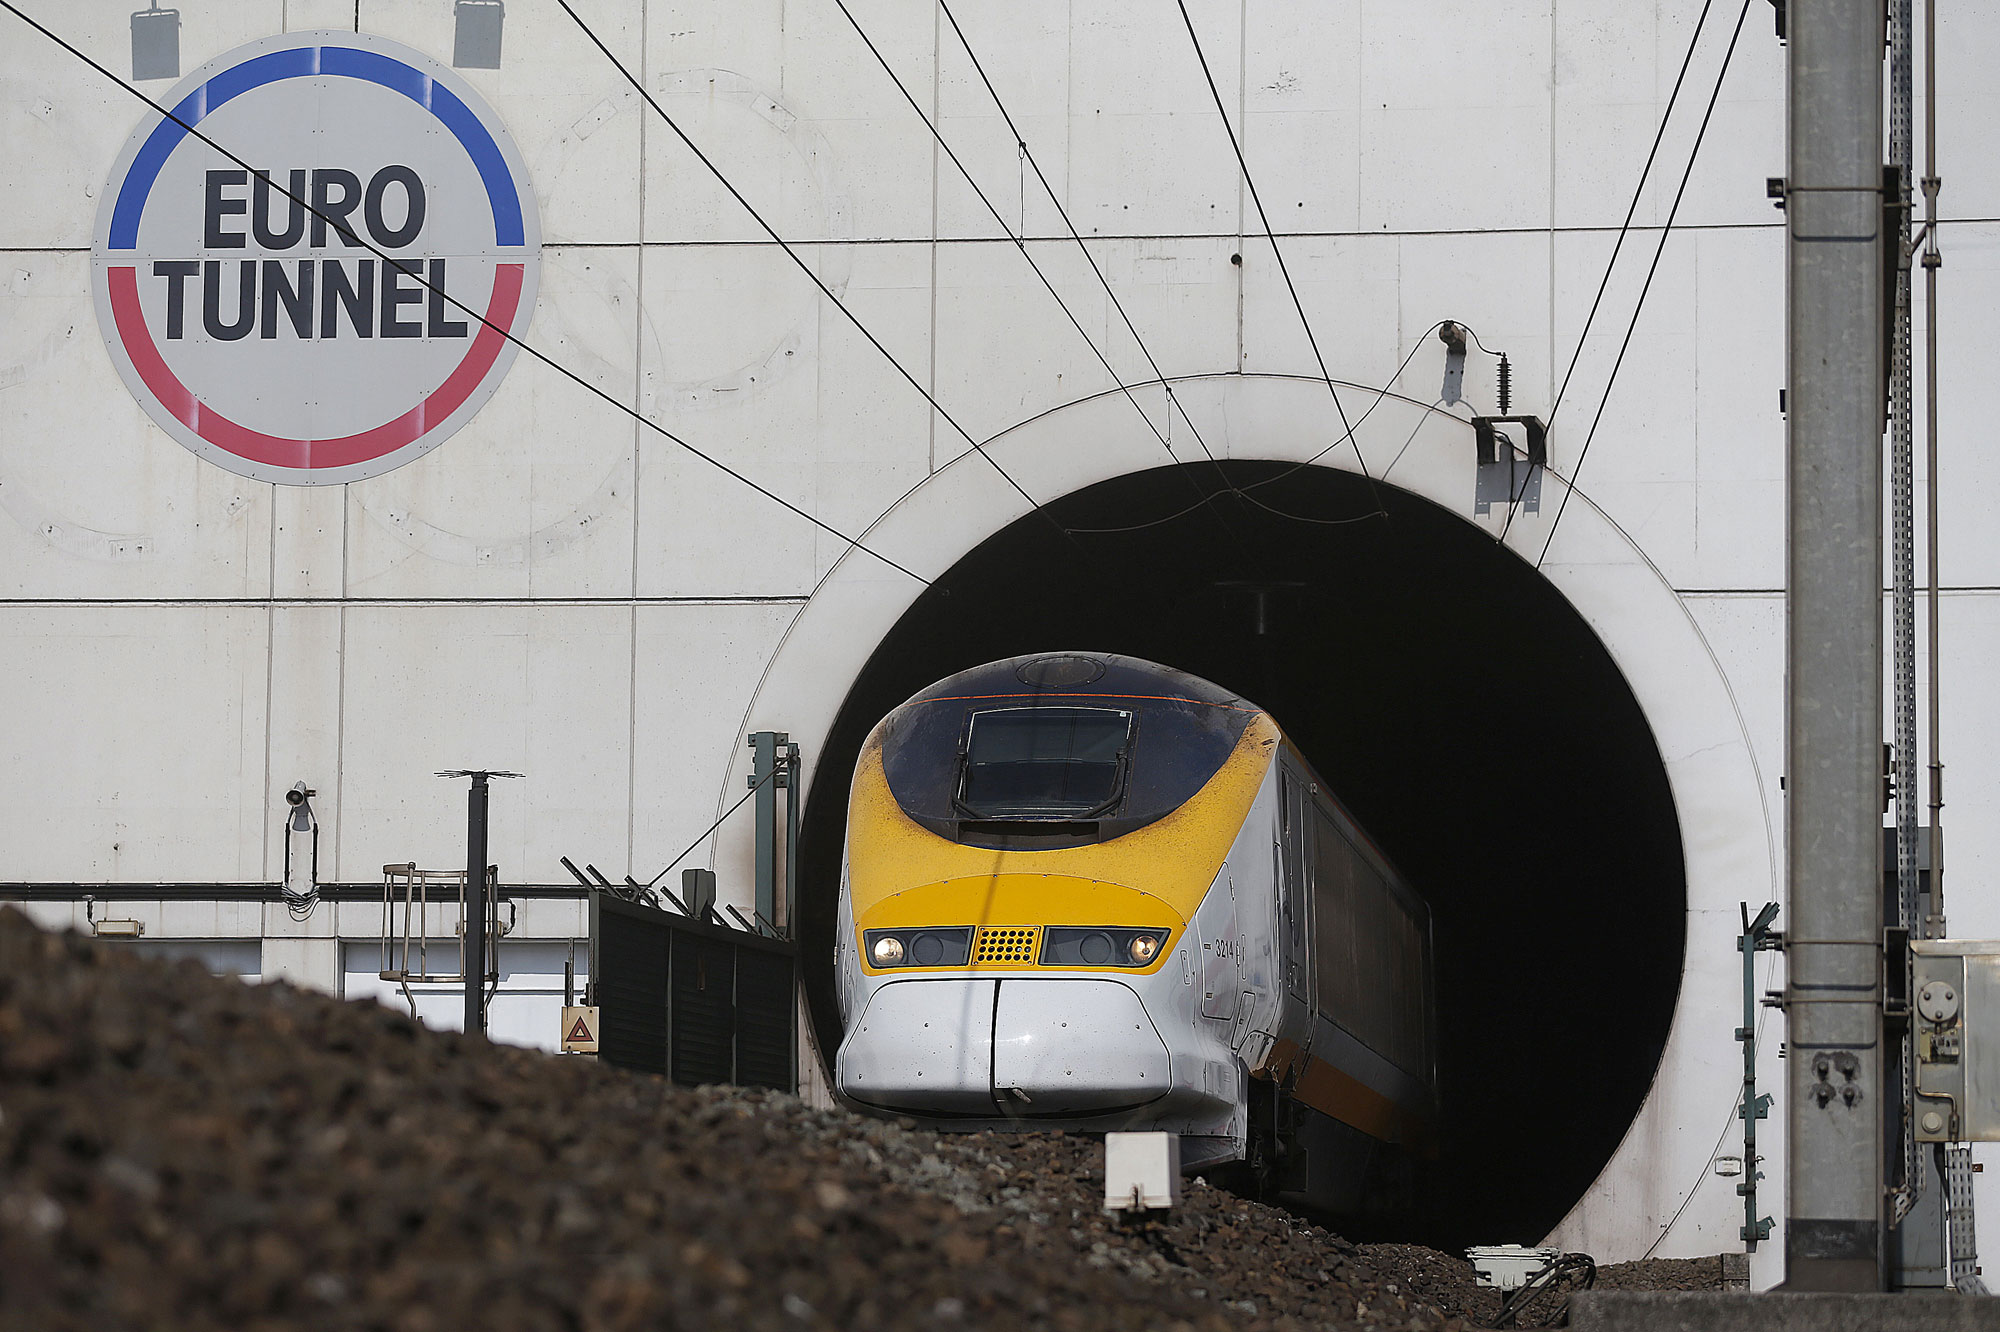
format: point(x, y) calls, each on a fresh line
point(697, 1002)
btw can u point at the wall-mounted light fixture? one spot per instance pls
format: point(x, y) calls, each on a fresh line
point(1453, 338)
point(301, 885)
point(118, 929)
point(477, 41)
point(156, 44)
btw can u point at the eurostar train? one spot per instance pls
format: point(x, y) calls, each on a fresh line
point(1090, 892)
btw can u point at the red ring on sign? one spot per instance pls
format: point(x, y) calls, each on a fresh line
point(254, 445)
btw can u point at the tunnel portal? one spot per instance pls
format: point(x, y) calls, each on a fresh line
point(1448, 694)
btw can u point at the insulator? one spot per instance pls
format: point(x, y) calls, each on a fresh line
point(1506, 386)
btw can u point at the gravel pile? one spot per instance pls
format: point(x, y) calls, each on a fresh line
point(1447, 1283)
point(178, 1151)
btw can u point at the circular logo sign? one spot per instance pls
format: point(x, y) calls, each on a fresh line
point(290, 321)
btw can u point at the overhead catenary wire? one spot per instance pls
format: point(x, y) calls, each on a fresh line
point(1632, 209)
point(1028, 156)
point(1249, 181)
point(1020, 244)
point(1666, 232)
point(1624, 229)
point(1361, 420)
point(1245, 491)
point(709, 832)
point(791, 253)
point(419, 277)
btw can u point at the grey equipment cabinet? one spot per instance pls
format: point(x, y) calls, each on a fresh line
point(1956, 1022)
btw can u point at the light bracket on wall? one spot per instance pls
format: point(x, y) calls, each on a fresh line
point(156, 44)
point(476, 38)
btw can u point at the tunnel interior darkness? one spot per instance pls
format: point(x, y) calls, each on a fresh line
point(1449, 695)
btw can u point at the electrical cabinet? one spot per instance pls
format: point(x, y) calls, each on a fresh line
point(1955, 1021)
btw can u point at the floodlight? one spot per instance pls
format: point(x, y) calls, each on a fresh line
point(156, 44)
point(476, 44)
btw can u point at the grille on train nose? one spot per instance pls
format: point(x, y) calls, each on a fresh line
point(1006, 944)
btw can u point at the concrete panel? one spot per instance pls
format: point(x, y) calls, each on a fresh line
point(550, 91)
point(135, 746)
point(193, 919)
point(1965, 84)
point(543, 690)
point(764, 140)
point(1640, 466)
point(312, 964)
point(532, 497)
point(1301, 121)
point(1615, 68)
point(1351, 289)
point(1691, 406)
point(1968, 470)
point(552, 918)
point(1148, 154)
point(689, 729)
point(1455, 115)
point(1025, 51)
point(796, 400)
point(62, 123)
point(303, 737)
point(1182, 294)
point(49, 915)
point(308, 541)
point(119, 509)
point(1970, 624)
point(726, 324)
point(1005, 350)
point(326, 15)
point(871, 425)
point(704, 533)
point(882, 148)
point(1739, 354)
point(1497, 285)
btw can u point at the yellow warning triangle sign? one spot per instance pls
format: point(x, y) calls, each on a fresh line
point(580, 1030)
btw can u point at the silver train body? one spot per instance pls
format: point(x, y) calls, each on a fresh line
point(1090, 892)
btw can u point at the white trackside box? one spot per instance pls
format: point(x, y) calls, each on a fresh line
point(1142, 1171)
point(1508, 1266)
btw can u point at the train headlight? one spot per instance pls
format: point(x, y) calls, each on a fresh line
point(1102, 946)
point(931, 946)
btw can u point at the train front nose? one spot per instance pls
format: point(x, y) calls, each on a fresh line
point(1014, 1046)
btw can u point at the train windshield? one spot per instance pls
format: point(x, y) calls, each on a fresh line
point(1044, 763)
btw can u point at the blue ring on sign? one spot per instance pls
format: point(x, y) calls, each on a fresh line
point(304, 62)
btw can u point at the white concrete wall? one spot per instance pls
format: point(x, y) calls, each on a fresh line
point(560, 591)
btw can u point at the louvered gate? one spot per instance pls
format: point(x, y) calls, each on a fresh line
point(695, 1002)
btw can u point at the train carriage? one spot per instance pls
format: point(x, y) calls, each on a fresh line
point(1090, 892)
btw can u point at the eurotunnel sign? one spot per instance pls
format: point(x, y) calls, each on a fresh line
point(290, 321)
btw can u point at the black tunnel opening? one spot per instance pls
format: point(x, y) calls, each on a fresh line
point(1452, 698)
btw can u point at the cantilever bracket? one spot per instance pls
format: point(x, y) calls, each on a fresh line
point(1488, 439)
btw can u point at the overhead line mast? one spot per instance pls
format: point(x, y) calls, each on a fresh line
point(1834, 1206)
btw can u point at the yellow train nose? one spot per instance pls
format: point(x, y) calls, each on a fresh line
point(1023, 921)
